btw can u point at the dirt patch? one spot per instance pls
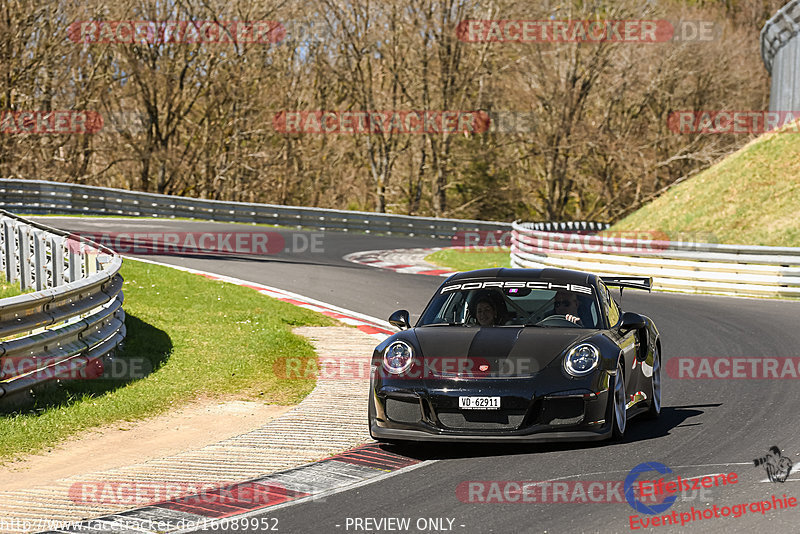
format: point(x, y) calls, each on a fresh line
point(191, 427)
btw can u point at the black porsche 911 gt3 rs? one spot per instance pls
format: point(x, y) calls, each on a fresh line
point(518, 355)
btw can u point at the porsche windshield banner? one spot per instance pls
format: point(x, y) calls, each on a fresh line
point(536, 284)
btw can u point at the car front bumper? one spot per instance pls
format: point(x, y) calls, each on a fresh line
point(533, 409)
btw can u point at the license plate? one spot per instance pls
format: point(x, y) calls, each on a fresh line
point(479, 403)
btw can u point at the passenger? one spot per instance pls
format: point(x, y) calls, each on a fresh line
point(485, 312)
point(489, 309)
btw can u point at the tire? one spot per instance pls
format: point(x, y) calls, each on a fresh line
point(654, 410)
point(619, 411)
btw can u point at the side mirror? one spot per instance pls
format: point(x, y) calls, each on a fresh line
point(400, 319)
point(631, 321)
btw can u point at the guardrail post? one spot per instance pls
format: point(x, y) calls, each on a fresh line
point(89, 261)
point(24, 239)
point(40, 259)
point(10, 250)
point(101, 261)
point(57, 259)
point(2, 246)
point(75, 262)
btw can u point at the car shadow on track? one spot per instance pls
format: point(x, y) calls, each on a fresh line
point(638, 430)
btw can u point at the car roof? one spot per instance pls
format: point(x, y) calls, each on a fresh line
point(504, 273)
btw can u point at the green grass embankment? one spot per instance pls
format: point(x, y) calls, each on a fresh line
point(201, 339)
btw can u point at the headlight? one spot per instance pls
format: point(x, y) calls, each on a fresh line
point(582, 359)
point(397, 357)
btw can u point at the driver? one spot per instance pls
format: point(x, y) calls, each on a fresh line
point(566, 304)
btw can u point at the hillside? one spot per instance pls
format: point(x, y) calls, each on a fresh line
point(751, 197)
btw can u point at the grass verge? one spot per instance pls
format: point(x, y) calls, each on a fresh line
point(472, 258)
point(10, 289)
point(202, 338)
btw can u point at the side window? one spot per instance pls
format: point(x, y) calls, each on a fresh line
point(612, 310)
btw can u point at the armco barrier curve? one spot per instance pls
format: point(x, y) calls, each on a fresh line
point(72, 320)
point(42, 197)
point(47, 198)
point(675, 266)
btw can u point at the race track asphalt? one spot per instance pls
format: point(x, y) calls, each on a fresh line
point(706, 427)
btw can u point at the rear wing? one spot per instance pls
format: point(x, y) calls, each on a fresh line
point(633, 282)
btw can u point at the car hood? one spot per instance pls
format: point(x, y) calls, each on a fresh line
point(506, 351)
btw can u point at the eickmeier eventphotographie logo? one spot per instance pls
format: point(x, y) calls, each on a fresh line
point(637, 490)
point(655, 515)
point(777, 466)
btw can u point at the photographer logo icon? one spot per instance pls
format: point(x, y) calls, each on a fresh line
point(776, 465)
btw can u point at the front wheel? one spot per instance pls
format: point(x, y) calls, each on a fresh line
point(619, 409)
point(655, 401)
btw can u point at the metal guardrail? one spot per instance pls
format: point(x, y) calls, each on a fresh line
point(73, 319)
point(675, 266)
point(42, 197)
point(780, 51)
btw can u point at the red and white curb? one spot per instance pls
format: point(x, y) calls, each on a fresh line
point(372, 326)
point(401, 260)
point(234, 506)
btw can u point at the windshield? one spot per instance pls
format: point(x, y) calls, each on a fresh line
point(513, 303)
